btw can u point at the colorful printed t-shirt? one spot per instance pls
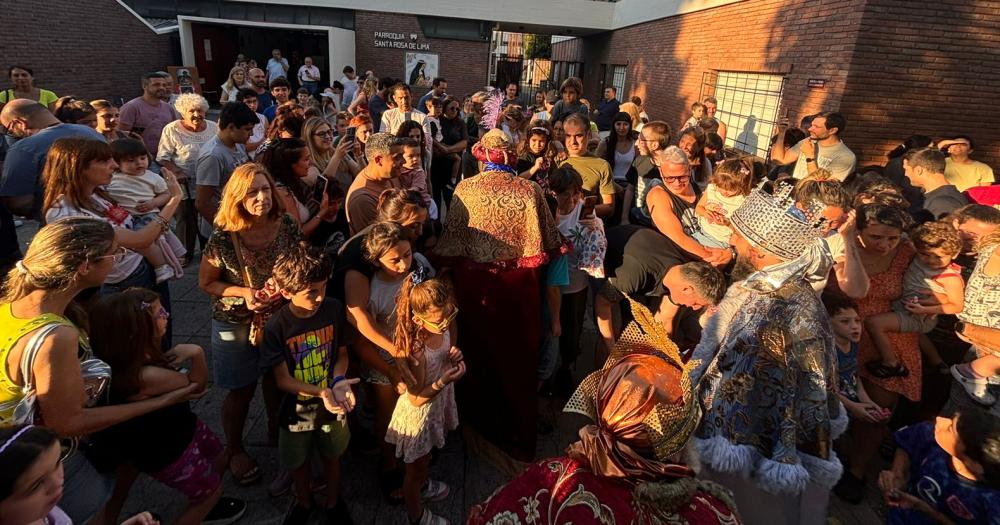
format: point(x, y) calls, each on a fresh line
point(933, 480)
point(309, 347)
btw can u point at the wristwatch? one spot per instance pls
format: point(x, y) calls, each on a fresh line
point(810, 160)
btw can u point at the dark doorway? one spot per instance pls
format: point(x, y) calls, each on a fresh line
point(227, 41)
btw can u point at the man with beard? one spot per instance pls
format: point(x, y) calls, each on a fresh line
point(823, 148)
point(259, 81)
point(147, 114)
point(767, 376)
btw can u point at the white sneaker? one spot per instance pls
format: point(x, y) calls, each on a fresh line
point(429, 518)
point(977, 388)
point(164, 273)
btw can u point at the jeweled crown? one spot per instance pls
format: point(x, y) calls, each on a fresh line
point(775, 224)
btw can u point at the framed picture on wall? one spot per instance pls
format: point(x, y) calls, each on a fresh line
point(186, 79)
point(420, 69)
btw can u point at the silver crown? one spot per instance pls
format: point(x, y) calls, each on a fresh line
point(773, 223)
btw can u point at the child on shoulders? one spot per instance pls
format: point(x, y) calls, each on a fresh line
point(697, 112)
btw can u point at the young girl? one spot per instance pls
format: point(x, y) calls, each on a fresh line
point(171, 444)
point(537, 154)
point(142, 193)
point(426, 412)
point(387, 248)
point(730, 184)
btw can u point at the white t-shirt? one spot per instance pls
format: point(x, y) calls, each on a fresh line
point(839, 160)
point(130, 190)
point(350, 87)
point(62, 209)
point(719, 232)
point(258, 132)
point(276, 68)
point(306, 71)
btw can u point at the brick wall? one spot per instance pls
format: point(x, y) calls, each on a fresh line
point(667, 58)
point(97, 51)
point(465, 64)
point(931, 71)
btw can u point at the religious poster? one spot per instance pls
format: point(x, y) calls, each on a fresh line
point(421, 68)
point(186, 79)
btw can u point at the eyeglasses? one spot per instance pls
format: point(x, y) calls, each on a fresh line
point(323, 134)
point(677, 180)
point(115, 257)
point(443, 325)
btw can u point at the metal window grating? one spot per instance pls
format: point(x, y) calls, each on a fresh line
point(748, 105)
point(618, 79)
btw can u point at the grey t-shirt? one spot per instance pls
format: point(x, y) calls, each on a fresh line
point(216, 163)
point(941, 202)
point(839, 159)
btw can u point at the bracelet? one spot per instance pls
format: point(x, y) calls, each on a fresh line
point(164, 225)
point(336, 379)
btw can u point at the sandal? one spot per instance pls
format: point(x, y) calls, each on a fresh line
point(883, 371)
point(246, 476)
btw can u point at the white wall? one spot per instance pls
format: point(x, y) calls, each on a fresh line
point(631, 12)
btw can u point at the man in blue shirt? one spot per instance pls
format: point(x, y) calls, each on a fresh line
point(438, 90)
point(280, 90)
point(36, 129)
point(607, 109)
point(377, 103)
point(259, 81)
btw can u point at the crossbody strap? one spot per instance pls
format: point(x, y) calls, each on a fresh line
point(31, 351)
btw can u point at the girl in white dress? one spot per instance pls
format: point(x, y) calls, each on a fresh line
point(423, 416)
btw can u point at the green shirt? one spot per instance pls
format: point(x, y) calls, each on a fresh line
point(595, 172)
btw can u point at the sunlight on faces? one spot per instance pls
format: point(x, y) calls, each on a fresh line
point(301, 166)
point(411, 157)
point(687, 143)
point(436, 320)
point(308, 299)
point(98, 172)
point(194, 117)
point(971, 231)
point(880, 238)
point(251, 103)
point(322, 137)
point(934, 258)
point(341, 126)
point(947, 437)
point(675, 177)
point(257, 201)
point(646, 144)
point(575, 138)
point(570, 96)
point(682, 291)
point(158, 87)
point(413, 221)
point(537, 144)
point(698, 113)
point(36, 490)
point(280, 94)
point(241, 135)
point(258, 78)
point(364, 131)
point(403, 100)
point(710, 109)
point(846, 325)
point(558, 133)
point(566, 201)
point(107, 119)
point(817, 130)
point(396, 261)
point(303, 98)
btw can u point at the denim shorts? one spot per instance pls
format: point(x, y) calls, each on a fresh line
point(235, 362)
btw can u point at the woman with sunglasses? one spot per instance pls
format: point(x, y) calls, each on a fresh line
point(670, 203)
point(76, 172)
point(64, 258)
point(446, 164)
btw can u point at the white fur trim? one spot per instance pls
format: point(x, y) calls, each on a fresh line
point(721, 455)
point(781, 478)
point(838, 425)
point(824, 473)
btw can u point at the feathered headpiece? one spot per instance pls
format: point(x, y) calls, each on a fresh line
point(492, 110)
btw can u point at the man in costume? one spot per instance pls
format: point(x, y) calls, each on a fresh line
point(627, 467)
point(767, 373)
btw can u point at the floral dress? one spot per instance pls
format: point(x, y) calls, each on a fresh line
point(982, 296)
point(220, 253)
point(886, 287)
point(416, 430)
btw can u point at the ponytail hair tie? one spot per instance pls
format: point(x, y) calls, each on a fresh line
point(21, 268)
point(419, 275)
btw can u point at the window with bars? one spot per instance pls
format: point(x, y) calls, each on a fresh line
point(618, 79)
point(748, 104)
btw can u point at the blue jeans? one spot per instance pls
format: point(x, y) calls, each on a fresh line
point(313, 87)
point(145, 277)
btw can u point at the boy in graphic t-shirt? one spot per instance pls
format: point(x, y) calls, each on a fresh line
point(306, 349)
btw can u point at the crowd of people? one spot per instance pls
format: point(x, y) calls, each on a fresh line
point(766, 328)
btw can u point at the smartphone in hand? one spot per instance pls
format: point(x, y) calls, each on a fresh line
point(589, 204)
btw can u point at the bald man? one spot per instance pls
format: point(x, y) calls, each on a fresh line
point(35, 129)
point(258, 79)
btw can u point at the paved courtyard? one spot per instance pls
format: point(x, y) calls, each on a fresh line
point(472, 478)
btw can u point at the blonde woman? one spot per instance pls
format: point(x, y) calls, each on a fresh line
point(325, 159)
point(251, 230)
point(237, 80)
point(360, 103)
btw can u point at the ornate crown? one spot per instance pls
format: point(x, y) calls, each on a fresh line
point(773, 223)
point(668, 426)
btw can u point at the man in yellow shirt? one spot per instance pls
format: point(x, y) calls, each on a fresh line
point(960, 170)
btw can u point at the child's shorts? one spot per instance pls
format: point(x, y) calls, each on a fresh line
point(375, 377)
point(916, 323)
point(329, 440)
point(192, 474)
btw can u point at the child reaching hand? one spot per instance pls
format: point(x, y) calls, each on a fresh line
point(425, 414)
point(946, 471)
point(931, 273)
point(305, 348)
point(171, 444)
point(142, 193)
point(846, 325)
point(728, 187)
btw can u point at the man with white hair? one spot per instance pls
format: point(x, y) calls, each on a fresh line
point(767, 376)
point(180, 146)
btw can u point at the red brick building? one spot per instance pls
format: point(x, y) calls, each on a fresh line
point(893, 67)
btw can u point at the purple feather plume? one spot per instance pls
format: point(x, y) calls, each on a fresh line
point(492, 110)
